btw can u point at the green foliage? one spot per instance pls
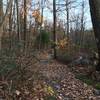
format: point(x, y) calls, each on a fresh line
point(44, 37)
point(7, 65)
point(64, 56)
point(97, 86)
point(50, 98)
point(85, 79)
point(7, 61)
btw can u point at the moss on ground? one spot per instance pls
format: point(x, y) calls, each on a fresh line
point(85, 79)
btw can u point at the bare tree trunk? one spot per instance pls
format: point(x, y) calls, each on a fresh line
point(95, 15)
point(25, 25)
point(67, 12)
point(42, 11)
point(10, 24)
point(7, 10)
point(1, 18)
point(17, 8)
point(54, 27)
point(82, 27)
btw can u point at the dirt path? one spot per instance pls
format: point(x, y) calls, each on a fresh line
point(60, 78)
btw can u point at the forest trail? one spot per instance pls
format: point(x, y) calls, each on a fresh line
point(45, 79)
point(61, 79)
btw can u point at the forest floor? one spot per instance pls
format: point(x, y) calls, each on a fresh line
point(63, 81)
point(50, 80)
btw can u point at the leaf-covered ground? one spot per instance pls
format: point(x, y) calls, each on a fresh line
point(47, 80)
point(64, 81)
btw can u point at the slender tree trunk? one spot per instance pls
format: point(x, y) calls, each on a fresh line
point(25, 24)
point(82, 27)
point(95, 15)
point(10, 25)
point(17, 9)
point(1, 18)
point(67, 12)
point(54, 27)
point(42, 11)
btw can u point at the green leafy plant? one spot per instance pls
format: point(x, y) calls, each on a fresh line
point(50, 98)
point(97, 86)
point(85, 79)
point(44, 37)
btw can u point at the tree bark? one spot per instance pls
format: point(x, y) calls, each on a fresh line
point(1, 18)
point(17, 9)
point(67, 17)
point(54, 27)
point(25, 23)
point(95, 16)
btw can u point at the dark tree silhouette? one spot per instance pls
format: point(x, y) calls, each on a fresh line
point(54, 26)
point(95, 16)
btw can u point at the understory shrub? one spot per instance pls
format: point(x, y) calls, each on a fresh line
point(43, 39)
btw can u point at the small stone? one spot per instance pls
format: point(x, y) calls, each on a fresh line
point(17, 92)
point(96, 92)
point(60, 97)
point(85, 85)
